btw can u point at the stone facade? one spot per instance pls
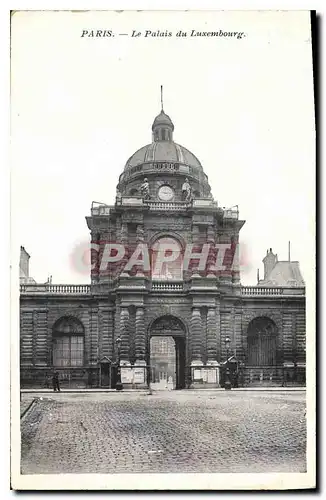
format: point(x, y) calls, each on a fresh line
point(163, 195)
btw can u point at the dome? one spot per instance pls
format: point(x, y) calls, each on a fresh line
point(162, 119)
point(163, 151)
point(163, 161)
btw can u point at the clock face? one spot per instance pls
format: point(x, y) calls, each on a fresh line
point(165, 193)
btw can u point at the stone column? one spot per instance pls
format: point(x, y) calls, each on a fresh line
point(195, 233)
point(105, 325)
point(236, 261)
point(110, 345)
point(26, 337)
point(41, 337)
point(196, 332)
point(139, 240)
point(125, 243)
point(112, 268)
point(218, 331)
point(124, 334)
point(193, 268)
point(140, 341)
point(95, 258)
point(34, 344)
point(94, 336)
point(140, 233)
point(211, 335)
point(211, 255)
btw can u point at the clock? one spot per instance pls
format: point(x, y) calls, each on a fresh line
point(165, 193)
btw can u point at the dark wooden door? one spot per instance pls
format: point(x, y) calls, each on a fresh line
point(105, 375)
point(180, 363)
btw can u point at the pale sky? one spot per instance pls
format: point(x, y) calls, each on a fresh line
point(82, 106)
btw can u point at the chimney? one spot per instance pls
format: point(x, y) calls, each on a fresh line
point(257, 275)
point(24, 263)
point(269, 263)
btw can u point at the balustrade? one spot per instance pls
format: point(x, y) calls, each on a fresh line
point(55, 289)
point(167, 206)
point(26, 288)
point(167, 286)
point(260, 290)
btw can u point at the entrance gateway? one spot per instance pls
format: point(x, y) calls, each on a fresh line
point(167, 353)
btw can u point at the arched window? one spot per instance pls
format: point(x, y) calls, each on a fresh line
point(133, 192)
point(167, 259)
point(68, 342)
point(262, 338)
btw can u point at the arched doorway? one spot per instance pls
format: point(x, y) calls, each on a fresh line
point(68, 339)
point(163, 362)
point(167, 353)
point(262, 342)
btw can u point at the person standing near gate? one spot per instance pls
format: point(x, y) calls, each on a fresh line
point(55, 381)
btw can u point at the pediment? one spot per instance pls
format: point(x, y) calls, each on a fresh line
point(106, 359)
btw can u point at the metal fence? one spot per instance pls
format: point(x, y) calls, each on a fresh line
point(271, 376)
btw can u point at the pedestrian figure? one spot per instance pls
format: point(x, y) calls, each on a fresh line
point(55, 381)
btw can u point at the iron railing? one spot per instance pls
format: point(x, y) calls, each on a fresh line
point(253, 376)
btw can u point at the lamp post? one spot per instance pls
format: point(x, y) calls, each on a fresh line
point(118, 384)
point(227, 382)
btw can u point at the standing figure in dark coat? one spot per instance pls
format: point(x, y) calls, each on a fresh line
point(55, 381)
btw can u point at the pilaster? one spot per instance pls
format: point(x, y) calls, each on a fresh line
point(140, 341)
point(41, 329)
point(211, 255)
point(211, 334)
point(125, 243)
point(195, 333)
point(124, 334)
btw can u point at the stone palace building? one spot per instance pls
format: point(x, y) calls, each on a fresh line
point(164, 201)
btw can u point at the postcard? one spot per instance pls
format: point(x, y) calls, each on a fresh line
point(162, 178)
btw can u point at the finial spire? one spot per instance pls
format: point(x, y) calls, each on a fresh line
point(162, 97)
point(289, 251)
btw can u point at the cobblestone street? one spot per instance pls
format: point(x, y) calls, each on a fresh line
point(178, 431)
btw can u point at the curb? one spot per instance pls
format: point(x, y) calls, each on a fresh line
point(80, 391)
point(155, 391)
point(29, 407)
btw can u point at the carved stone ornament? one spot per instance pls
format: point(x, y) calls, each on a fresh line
point(168, 323)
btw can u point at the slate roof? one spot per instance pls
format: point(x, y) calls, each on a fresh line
point(284, 273)
point(165, 151)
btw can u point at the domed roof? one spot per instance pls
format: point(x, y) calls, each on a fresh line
point(163, 159)
point(163, 151)
point(162, 119)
